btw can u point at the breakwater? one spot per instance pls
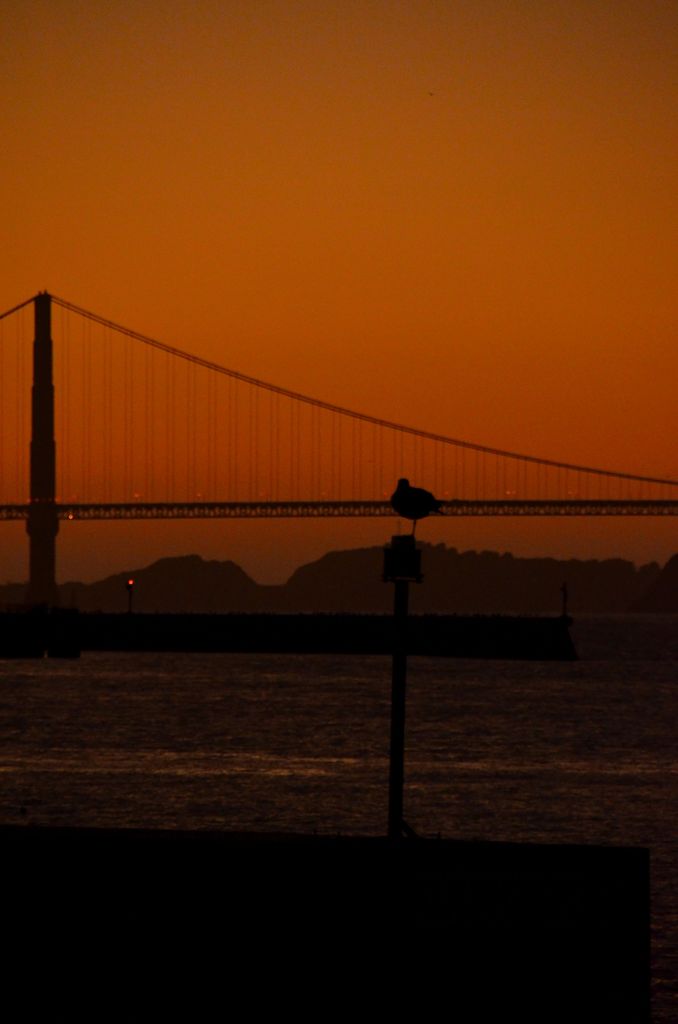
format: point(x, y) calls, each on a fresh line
point(66, 632)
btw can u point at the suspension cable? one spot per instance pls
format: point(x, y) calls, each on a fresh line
point(342, 411)
point(15, 309)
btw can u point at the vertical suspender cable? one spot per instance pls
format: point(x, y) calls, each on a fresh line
point(187, 432)
point(312, 451)
point(272, 445)
point(3, 405)
point(171, 433)
point(135, 413)
point(333, 456)
point(147, 427)
point(250, 419)
point(127, 427)
point(211, 469)
point(292, 482)
point(299, 433)
point(18, 391)
point(86, 413)
point(195, 433)
point(340, 461)
point(168, 418)
point(237, 461)
point(355, 459)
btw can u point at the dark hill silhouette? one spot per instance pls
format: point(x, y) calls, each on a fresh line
point(341, 581)
point(662, 593)
point(487, 581)
point(186, 583)
point(470, 581)
point(350, 581)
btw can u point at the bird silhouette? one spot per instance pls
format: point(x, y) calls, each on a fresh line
point(414, 502)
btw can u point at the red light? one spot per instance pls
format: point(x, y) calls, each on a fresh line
point(130, 583)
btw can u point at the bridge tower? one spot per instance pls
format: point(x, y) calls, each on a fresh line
point(43, 523)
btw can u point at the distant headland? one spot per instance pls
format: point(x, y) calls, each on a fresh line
point(350, 581)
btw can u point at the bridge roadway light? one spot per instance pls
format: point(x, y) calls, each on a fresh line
point(129, 585)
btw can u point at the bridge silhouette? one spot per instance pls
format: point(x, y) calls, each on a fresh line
point(123, 426)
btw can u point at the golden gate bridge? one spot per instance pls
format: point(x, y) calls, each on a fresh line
point(121, 425)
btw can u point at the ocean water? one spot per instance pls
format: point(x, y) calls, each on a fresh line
point(581, 752)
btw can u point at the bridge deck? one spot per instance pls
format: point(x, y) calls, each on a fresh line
point(329, 509)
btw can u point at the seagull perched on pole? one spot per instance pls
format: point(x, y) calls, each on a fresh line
point(414, 502)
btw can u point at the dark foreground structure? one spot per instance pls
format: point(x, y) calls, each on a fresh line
point(540, 932)
point(64, 633)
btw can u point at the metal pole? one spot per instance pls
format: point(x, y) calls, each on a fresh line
point(398, 691)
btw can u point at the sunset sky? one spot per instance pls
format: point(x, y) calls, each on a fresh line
point(458, 215)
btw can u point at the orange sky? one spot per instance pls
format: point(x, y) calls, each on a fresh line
point(460, 215)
